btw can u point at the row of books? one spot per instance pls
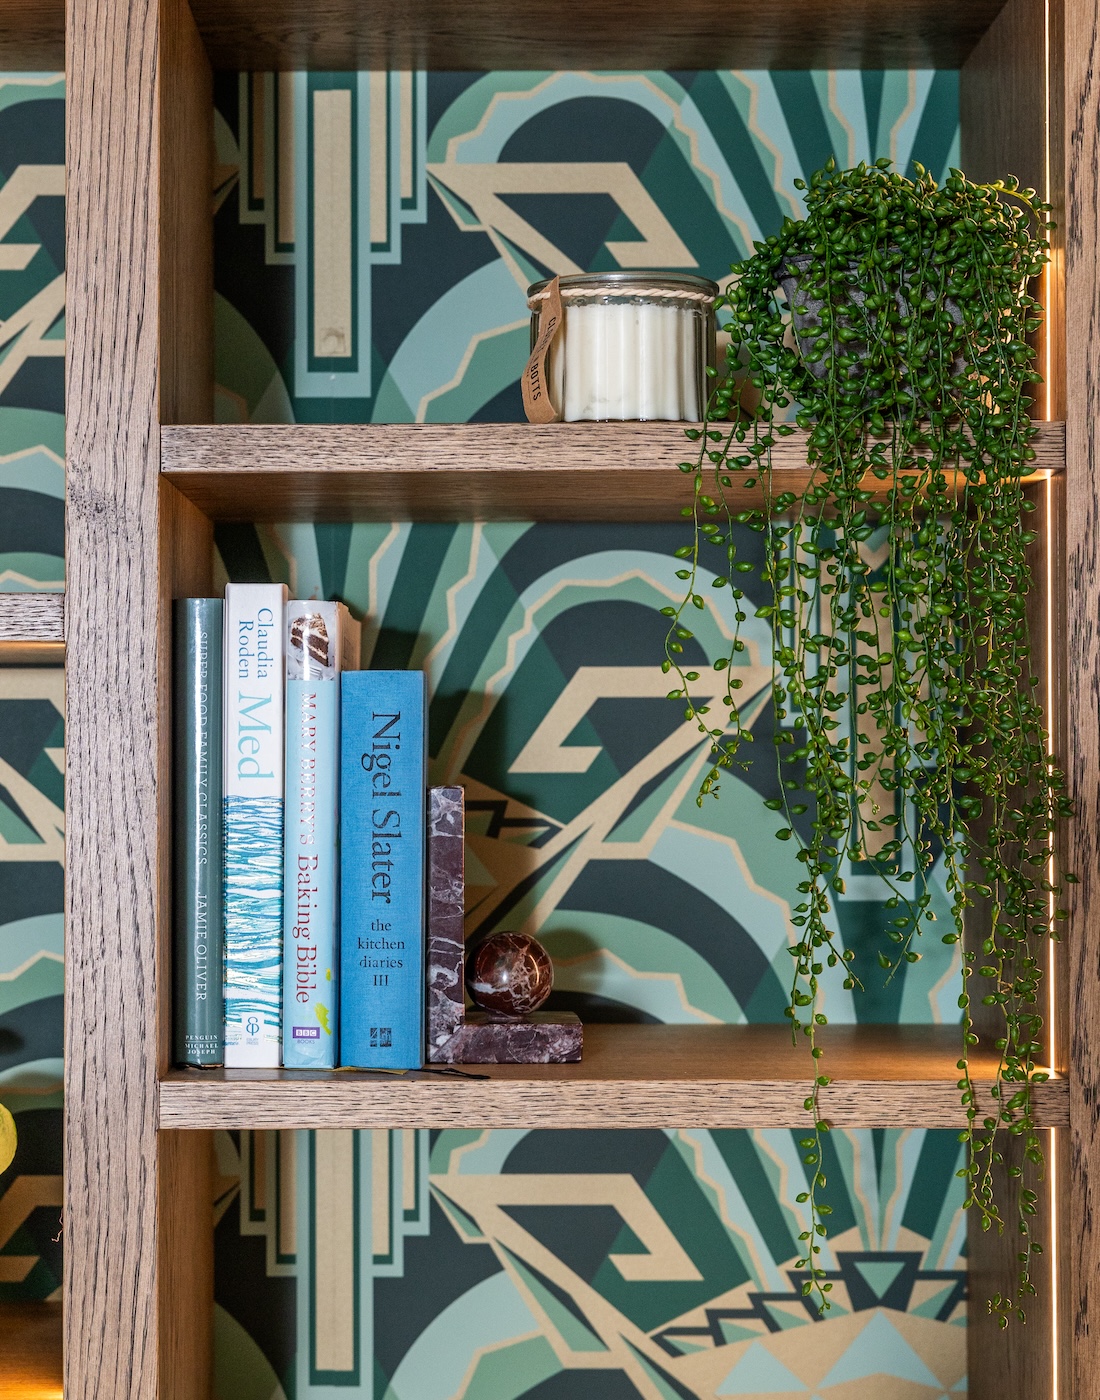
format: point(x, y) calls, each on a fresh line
point(299, 839)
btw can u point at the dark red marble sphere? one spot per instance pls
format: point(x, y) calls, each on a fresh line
point(509, 975)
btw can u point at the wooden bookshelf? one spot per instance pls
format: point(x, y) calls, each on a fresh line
point(632, 1076)
point(148, 473)
point(467, 471)
point(32, 629)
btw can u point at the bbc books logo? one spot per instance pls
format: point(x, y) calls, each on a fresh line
point(381, 1037)
point(307, 1032)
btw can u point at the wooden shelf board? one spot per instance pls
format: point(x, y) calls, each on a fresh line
point(32, 36)
point(32, 629)
point(630, 34)
point(631, 1076)
point(460, 471)
point(342, 35)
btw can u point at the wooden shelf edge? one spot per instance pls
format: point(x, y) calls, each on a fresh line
point(631, 1076)
point(344, 1103)
point(32, 629)
point(449, 471)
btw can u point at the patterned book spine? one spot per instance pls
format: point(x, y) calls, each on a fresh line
point(321, 641)
point(383, 762)
point(198, 830)
point(446, 894)
point(253, 776)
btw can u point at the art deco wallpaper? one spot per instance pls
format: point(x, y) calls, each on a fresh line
point(374, 236)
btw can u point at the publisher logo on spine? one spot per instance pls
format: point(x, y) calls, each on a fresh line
point(381, 1037)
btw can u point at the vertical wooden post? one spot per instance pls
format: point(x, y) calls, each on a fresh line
point(1008, 89)
point(138, 307)
point(1082, 341)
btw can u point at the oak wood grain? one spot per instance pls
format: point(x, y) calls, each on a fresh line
point(186, 557)
point(625, 34)
point(631, 1076)
point(32, 617)
point(186, 136)
point(32, 36)
point(185, 1164)
point(460, 471)
point(1002, 101)
point(32, 629)
point(185, 1237)
point(111, 1196)
point(1081, 168)
point(135, 1223)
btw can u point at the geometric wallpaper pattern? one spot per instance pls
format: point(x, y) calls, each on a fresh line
point(32, 332)
point(374, 234)
point(32, 537)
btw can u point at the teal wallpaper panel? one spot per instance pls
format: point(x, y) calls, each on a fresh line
point(32, 332)
point(374, 235)
point(376, 232)
point(32, 534)
point(379, 275)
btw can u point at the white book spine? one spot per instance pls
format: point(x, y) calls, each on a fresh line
point(322, 639)
point(253, 720)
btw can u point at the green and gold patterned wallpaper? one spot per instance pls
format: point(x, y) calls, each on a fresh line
point(374, 234)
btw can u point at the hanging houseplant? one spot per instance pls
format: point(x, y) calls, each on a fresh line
point(892, 322)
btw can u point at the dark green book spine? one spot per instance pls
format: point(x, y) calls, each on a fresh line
point(198, 923)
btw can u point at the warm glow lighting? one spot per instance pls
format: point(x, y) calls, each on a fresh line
point(1048, 339)
point(1048, 377)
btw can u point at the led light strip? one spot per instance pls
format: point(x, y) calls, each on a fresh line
point(1048, 368)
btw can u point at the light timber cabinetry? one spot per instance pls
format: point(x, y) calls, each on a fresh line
point(147, 475)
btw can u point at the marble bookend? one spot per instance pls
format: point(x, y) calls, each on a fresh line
point(457, 1036)
point(446, 891)
point(540, 1038)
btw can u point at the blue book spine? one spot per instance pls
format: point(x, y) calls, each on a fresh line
point(322, 640)
point(383, 763)
point(253, 753)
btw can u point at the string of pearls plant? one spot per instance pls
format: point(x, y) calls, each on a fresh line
point(892, 322)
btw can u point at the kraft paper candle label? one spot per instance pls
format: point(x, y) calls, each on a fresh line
point(536, 377)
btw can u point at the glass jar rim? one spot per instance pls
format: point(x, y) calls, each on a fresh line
point(623, 283)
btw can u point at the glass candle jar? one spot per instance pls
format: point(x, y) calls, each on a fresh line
point(632, 345)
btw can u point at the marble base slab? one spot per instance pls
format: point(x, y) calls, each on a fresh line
point(542, 1038)
point(457, 1036)
point(446, 888)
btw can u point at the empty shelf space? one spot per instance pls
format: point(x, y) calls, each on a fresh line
point(32, 628)
point(463, 471)
point(631, 1076)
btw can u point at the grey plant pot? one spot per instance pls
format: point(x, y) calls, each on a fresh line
point(806, 323)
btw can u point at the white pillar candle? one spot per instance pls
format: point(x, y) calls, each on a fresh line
point(628, 355)
point(671, 317)
point(576, 362)
point(647, 362)
point(691, 364)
